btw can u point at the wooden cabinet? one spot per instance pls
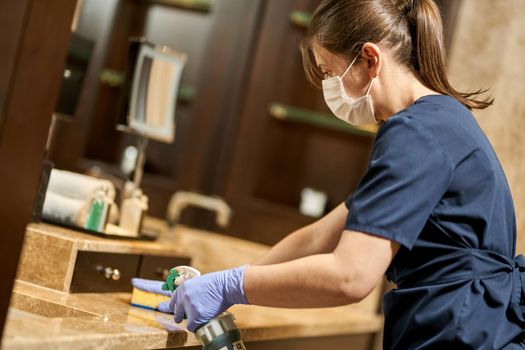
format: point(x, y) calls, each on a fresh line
point(97, 272)
point(72, 261)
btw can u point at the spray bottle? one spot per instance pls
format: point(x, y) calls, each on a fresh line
point(221, 332)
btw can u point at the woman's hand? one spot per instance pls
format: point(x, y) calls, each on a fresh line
point(202, 298)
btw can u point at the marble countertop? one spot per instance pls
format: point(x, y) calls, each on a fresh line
point(51, 319)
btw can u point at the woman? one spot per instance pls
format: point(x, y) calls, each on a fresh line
point(433, 210)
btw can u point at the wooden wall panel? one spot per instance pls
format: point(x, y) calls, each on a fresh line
point(38, 34)
point(274, 160)
point(487, 51)
point(12, 19)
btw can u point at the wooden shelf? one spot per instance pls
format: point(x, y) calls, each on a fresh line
point(300, 18)
point(115, 79)
point(196, 5)
point(111, 77)
point(318, 119)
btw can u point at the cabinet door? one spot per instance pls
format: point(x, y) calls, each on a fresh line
point(275, 159)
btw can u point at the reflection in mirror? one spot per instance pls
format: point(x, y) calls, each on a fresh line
point(155, 79)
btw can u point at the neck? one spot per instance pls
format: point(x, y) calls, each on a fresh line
point(400, 93)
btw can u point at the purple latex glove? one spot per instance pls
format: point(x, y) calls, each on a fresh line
point(202, 298)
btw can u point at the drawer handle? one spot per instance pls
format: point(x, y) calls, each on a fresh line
point(109, 273)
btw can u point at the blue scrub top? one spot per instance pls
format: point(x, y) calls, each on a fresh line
point(435, 186)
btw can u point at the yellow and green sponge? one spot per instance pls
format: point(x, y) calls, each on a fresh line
point(151, 294)
point(148, 294)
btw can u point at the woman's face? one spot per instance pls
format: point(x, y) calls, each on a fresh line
point(395, 87)
point(357, 79)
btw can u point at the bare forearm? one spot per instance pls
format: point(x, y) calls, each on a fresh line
point(318, 238)
point(346, 275)
point(314, 281)
point(296, 245)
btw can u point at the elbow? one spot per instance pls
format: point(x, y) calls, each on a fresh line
point(356, 286)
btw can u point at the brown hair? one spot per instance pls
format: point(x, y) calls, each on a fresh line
point(413, 28)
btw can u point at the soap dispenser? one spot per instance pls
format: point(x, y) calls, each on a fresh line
point(98, 213)
point(133, 211)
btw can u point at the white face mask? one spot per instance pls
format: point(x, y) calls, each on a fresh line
point(356, 112)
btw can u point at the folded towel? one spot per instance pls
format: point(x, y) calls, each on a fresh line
point(77, 186)
point(69, 194)
point(60, 208)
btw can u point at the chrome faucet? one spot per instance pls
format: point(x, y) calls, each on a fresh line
point(182, 199)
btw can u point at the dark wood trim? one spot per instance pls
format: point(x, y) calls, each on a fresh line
point(12, 18)
point(231, 47)
point(37, 36)
point(71, 138)
point(226, 120)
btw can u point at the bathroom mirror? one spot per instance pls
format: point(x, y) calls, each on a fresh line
point(153, 77)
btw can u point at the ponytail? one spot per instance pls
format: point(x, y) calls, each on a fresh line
point(414, 28)
point(428, 57)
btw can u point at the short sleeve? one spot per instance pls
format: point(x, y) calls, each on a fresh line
point(408, 174)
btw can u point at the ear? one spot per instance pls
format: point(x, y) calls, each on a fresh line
point(374, 58)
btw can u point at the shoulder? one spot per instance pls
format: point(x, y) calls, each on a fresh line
point(417, 131)
point(437, 114)
point(403, 128)
point(430, 112)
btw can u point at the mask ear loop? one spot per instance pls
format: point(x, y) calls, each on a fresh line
point(370, 86)
point(350, 66)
